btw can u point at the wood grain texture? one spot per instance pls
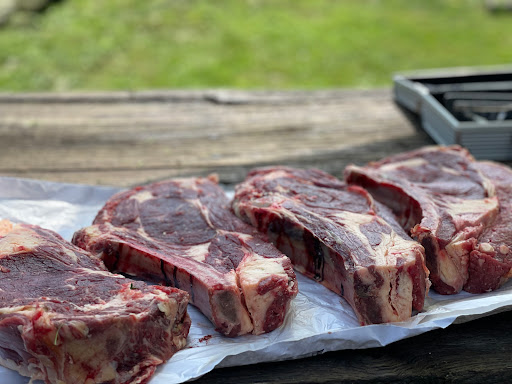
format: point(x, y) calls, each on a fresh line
point(126, 138)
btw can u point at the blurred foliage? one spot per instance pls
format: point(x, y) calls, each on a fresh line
point(130, 44)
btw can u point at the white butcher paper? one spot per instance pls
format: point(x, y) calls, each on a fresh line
point(318, 321)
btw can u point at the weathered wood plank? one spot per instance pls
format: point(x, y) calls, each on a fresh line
point(131, 138)
point(221, 96)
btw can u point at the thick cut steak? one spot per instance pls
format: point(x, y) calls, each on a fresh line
point(182, 233)
point(440, 197)
point(333, 234)
point(490, 263)
point(65, 319)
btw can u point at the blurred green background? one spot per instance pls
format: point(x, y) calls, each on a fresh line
point(133, 44)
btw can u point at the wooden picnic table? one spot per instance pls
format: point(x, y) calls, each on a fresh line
point(130, 138)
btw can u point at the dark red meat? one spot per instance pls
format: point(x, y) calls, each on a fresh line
point(65, 319)
point(490, 262)
point(332, 234)
point(182, 233)
point(440, 196)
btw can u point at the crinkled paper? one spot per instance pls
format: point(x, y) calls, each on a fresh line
point(318, 321)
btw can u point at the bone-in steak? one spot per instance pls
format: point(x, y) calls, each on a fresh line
point(332, 234)
point(182, 233)
point(490, 263)
point(65, 319)
point(441, 197)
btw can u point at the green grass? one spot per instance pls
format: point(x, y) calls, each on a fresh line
point(133, 44)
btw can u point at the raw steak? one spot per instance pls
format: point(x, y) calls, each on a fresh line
point(490, 262)
point(182, 233)
point(441, 198)
point(332, 234)
point(65, 319)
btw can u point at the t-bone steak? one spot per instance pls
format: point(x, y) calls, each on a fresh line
point(65, 319)
point(440, 196)
point(333, 233)
point(490, 263)
point(182, 233)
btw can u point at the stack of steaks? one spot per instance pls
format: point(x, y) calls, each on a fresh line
point(354, 238)
point(380, 239)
